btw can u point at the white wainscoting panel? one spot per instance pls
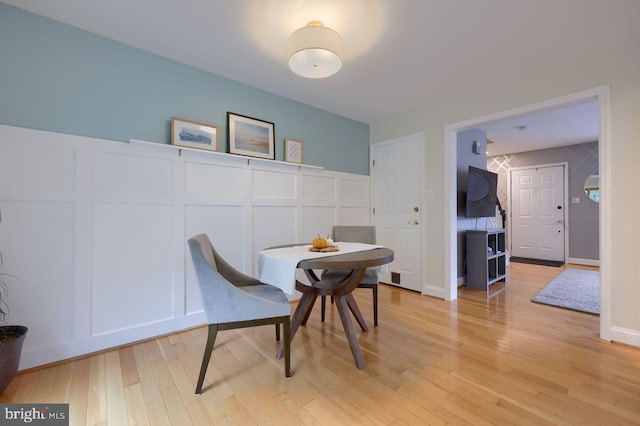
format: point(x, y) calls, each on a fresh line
point(317, 220)
point(215, 183)
point(96, 230)
point(37, 244)
point(124, 172)
point(225, 227)
point(355, 216)
point(356, 191)
point(274, 184)
point(272, 226)
point(49, 165)
point(319, 187)
point(132, 268)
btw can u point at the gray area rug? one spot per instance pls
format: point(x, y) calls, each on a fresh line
point(575, 289)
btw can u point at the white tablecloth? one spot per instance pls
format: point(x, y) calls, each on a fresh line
point(278, 266)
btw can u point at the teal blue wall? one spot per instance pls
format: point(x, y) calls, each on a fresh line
point(59, 78)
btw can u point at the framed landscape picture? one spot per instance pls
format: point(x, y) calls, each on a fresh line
point(250, 136)
point(192, 134)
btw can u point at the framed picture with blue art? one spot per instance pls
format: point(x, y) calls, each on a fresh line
point(192, 134)
point(250, 136)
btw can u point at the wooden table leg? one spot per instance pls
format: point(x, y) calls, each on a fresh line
point(308, 311)
point(353, 306)
point(304, 289)
point(343, 309)
point(300, 315)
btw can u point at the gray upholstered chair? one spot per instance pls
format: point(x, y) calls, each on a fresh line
point(355, 234)
point(232, 299)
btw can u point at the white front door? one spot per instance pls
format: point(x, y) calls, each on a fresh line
point(397, 182)
point(538, 213)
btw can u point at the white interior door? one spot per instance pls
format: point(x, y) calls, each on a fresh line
point(538, 213)
point(397, 182)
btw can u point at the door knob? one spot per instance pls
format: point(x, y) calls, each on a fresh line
point(414, 222)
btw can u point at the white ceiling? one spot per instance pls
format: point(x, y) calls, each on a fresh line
point(564, 126)
point(399, 55)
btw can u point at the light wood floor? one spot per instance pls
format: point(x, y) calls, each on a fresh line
point(478, 360)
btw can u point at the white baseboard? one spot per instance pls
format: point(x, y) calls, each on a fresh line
point(586, 262)
point(626, 336)
point(461, 281)
point(68, 350)
point(430, 290)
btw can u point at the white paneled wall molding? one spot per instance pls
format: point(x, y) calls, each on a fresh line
point(96, 230)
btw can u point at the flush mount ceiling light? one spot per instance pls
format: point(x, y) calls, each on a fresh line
point(315, 51)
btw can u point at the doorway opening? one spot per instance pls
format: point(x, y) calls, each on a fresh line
point(601, 96)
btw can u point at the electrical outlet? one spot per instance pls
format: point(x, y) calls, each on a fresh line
point(575, 200)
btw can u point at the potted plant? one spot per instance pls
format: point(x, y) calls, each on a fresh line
point(11, 336)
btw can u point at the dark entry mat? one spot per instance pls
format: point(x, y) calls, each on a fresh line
point(554, 263)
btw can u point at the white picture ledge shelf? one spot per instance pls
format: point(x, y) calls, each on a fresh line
point(250, 160)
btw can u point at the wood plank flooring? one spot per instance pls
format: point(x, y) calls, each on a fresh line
point(483, 359)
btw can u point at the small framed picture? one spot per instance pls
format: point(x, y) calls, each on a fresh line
point(192, 134)
point(250, 136)
point(293, 150)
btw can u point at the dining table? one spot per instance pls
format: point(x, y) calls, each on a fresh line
point(277, 266)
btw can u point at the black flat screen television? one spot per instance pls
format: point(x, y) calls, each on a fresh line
point(482, 188)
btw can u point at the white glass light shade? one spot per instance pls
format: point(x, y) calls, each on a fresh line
point(315, 51)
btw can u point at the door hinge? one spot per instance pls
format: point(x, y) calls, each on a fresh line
point(374, 210)
point(373, 163)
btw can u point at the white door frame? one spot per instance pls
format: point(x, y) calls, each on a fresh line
point(565, 213)
point(372, 148)
point(602, 95)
